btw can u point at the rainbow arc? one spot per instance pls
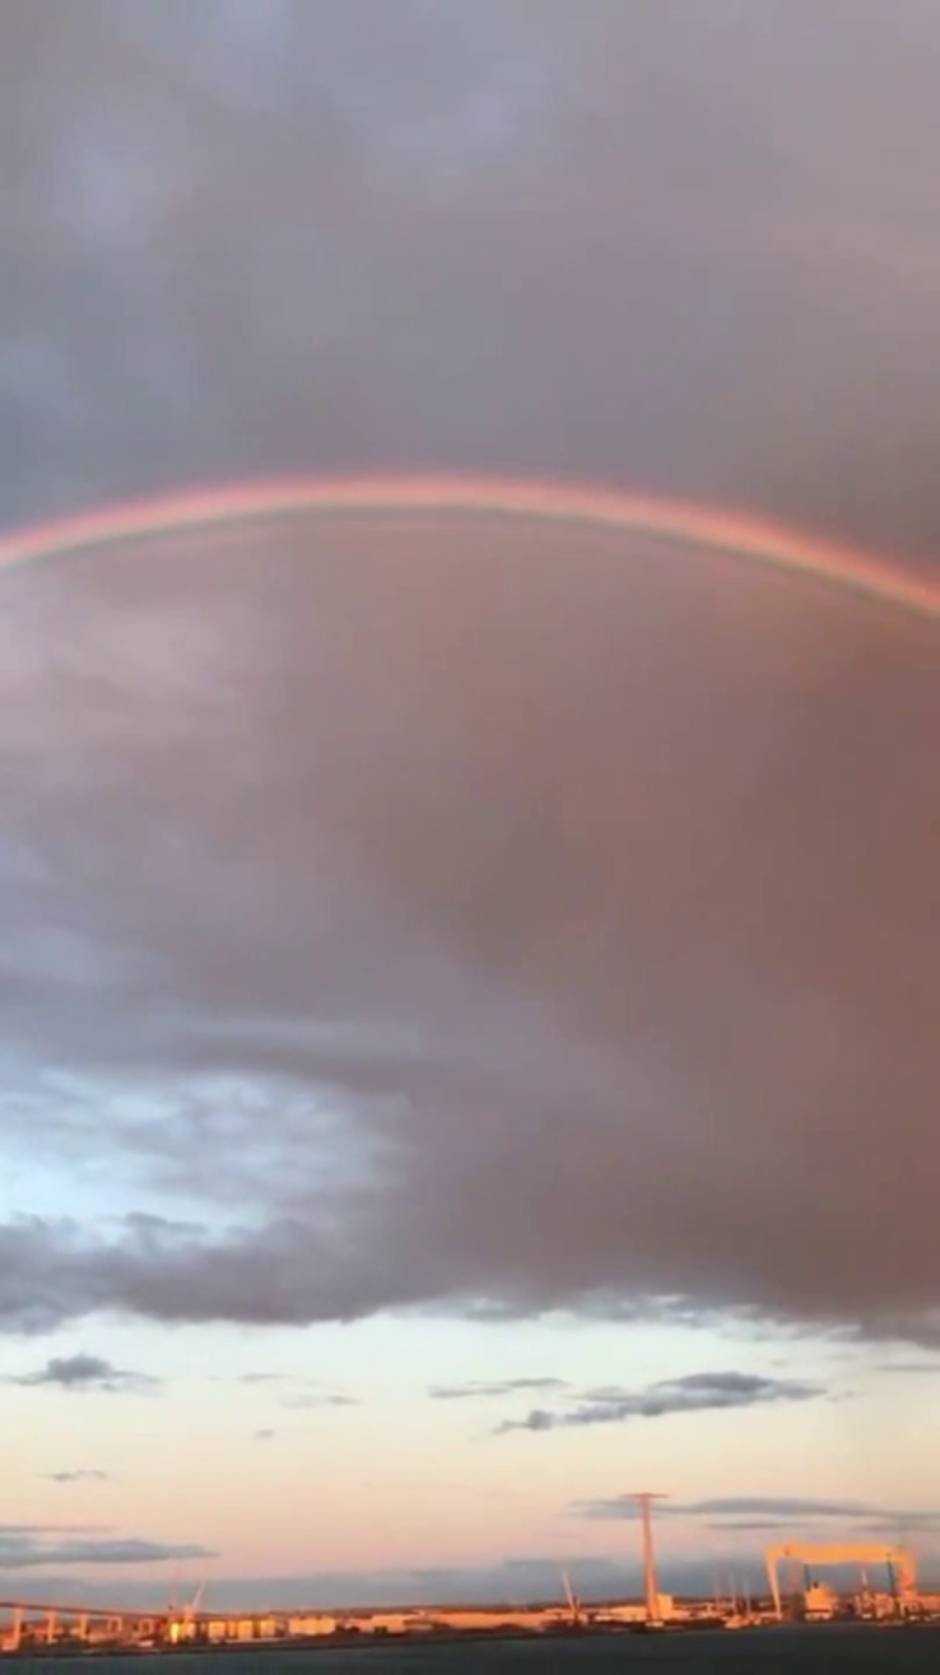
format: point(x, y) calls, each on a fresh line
point(705, 528)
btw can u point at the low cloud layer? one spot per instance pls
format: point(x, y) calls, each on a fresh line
point(695, 1393)
point(86, 1372)
point(27, 1547)
point(753, 1513)
point(466, 914)
point(536, 1577)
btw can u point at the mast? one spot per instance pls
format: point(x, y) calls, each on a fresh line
point(645, 1499)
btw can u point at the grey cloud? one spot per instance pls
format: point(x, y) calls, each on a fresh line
point(86, 1372)
point(535, 1578)
point(264, 1434)
point(27, 1551)
point(894, 1525)
point(764, 1512)
point(470, 915)
point(496, 1387)
point(783, 1506)
point(696, 1393)
point(479, 238)
point(545, 1109)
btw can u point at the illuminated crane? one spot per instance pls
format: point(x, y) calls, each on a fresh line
point(899, 1560)
point(574, 1604)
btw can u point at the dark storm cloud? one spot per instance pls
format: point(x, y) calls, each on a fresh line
point(497, 1387)
point(466, 915)
point(695, 1393)
point(689, 246)
point(473, 929)
point(86, 1372)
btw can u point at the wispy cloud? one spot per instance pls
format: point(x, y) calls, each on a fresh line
point(695, 1393)
point(326, 1398)
point(87, 1372)
point(496, 1387)
point(767, 1512)
point(752, 1525)
point(82, 1474)
point(304, 1392)
point(774, 1506)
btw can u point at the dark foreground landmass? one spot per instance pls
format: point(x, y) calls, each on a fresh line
point(831, 1649)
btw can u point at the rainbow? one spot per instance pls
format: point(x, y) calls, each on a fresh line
point(708, 528)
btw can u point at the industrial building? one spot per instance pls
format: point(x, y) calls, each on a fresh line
point(886, 1591)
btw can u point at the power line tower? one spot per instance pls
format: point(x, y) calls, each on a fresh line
point(645, 1499)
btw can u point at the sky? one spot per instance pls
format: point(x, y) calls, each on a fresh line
point(468, 1002)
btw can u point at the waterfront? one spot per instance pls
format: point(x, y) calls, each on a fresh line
point(828, 1650)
